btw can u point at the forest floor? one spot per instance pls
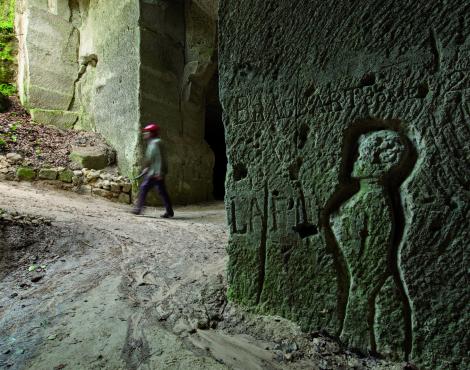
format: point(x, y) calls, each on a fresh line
point(84, 284)
point(40, 145)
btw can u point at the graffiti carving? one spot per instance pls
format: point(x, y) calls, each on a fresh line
point(368, 229)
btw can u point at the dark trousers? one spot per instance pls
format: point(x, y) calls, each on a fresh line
point(149, 183)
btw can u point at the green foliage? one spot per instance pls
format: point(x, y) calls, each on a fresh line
point(7, 89)
point(8, 135)
point(26, 173)
point(7, 47)
point(66, 175)
point(7, 15)
point(6, 52)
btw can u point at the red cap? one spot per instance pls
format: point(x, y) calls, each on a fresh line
point(151, 127)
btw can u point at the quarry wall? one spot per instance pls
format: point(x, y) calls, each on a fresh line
point(348, 134)
point(112, 67)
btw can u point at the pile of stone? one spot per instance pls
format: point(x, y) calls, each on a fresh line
point(16, 218)
point(84, 181)
point(7, 164)
point(103, 184)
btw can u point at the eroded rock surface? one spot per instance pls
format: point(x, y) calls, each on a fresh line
point(347, 194)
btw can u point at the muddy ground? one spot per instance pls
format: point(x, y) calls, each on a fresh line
point(86, 285)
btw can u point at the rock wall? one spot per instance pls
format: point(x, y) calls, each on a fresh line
point(47, 57)
point(79, 67)
point(348, 134)
point(112, 67)
point(173, 95)
point(107, 88)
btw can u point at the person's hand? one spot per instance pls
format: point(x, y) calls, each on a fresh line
point(158, 177)
point(145, 170)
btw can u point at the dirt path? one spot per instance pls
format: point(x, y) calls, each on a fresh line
point(124, 292)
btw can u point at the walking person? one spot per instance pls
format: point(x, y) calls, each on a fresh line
point(155, 171)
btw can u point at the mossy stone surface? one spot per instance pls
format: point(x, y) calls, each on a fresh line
point(66, 175)
point(26, 173)
point(48, 174)
point(57, 118)
point(90, 157)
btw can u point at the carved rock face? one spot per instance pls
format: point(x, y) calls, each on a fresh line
point(318, 97)
point(379, 152)
point(364, 231)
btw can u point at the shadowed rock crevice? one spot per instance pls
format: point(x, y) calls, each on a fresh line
point(435, 50)
point(305, 229)
point(239, 172)
point(262, 247)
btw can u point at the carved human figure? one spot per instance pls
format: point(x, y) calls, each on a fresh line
point(364, 229)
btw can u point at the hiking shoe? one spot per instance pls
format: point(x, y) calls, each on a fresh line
point(136, 211)
point(167, 215)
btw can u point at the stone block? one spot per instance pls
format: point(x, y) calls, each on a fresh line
point(126, 188)
point(102, 193)
point(90, 157)
point(26, 173)
point(91, 175)
point(105, 176)
point(14, 158)
point(66, 176)
point(49, 76)
point(57, 118)
point(7, 174)
point(115, 187)
point(48, 174)
point(106, 184)
point(85, 190)
point(76, 180)
point(124, 198)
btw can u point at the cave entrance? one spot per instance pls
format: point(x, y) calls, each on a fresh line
point(214, 135)
point(179, 88)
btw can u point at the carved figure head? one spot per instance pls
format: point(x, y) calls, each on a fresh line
point(379, 152)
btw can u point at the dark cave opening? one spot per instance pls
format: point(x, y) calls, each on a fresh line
point(214, 134)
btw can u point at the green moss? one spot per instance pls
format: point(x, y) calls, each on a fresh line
point(26, 173)
point(58, 118)
point(89, 158)
point(66, 176)
point(7, 47)
point(230, 294)
point(48, 174)
point(7, 89)
point(7, 15)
